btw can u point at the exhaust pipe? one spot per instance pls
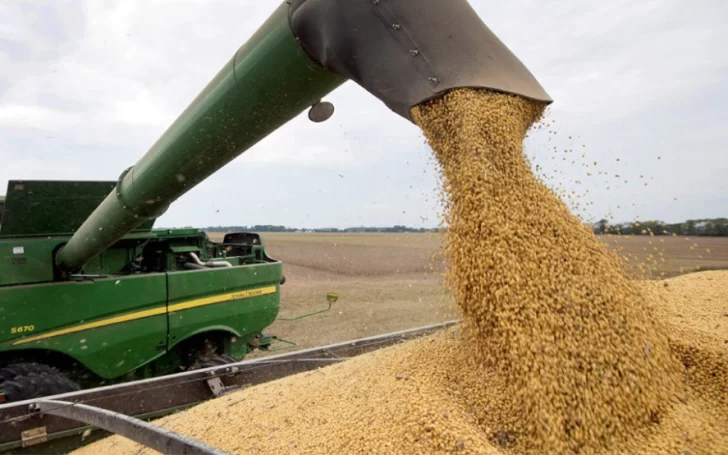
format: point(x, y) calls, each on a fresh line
point(209, 264)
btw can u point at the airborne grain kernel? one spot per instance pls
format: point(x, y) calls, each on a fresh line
point(560, 352)
point(546, 305)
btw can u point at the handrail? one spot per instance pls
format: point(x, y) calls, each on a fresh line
point(153, 436)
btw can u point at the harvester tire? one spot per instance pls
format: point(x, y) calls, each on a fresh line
point(24, 381)
point(23, 369)
point(213, 361)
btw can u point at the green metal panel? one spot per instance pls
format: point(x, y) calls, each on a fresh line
point(187, 232)
point(113, 260)
point(269, 81)
point(27, 260)
point(252, 300)
point(185, 249)
point(116, 259)
point(124, 337)
point(38, 207)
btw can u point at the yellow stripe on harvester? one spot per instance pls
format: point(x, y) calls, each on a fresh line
point(222, 298)
point(152, 312)
point(95, 324)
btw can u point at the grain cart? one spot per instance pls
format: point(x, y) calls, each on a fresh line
point(86, 285)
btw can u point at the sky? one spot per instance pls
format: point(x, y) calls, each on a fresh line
point(639, 88)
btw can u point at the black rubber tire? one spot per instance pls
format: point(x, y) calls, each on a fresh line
point(24, 381)
point(213, 361)
point(23, 369)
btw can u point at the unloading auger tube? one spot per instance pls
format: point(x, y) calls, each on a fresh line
point(403, 52)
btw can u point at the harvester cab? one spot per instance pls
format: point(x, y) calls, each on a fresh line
point(89, 291)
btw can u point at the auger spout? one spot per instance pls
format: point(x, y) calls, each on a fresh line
point(404, 52)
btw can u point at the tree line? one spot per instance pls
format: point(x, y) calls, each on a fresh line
point(717, 227)
point(361, 229)
point(701, 227)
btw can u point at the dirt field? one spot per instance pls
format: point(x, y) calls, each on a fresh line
point(681, 254)
point(390, 282)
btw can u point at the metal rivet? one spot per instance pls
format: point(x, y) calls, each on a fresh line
point(434, 80)
point(396, 26)
point(376, 2)
point(414, 52)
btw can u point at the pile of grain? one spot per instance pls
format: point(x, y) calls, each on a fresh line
point(419, 398)
point(695, 307)
point(559, 353)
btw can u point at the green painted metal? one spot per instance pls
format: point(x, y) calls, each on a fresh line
point(245, 317)
point(115, 323)
point(41, 207)
point(85, 282)
point(109, 351)
point(26, 260)
point(268, 82)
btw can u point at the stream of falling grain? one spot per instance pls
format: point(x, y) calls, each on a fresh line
point(559, 352)
point(545, 303)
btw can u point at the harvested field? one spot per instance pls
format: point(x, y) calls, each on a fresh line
point(386, 282)
point(680, 254)
point(313, 413)
point(359, 255)
point(390, 282)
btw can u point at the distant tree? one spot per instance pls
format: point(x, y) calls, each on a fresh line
point(602, 226)
point(652, 227)
point(703, 227)
point(721, 227)
point(690, 227)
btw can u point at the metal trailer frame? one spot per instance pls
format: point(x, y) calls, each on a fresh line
point(150, 435)
point(123, 408)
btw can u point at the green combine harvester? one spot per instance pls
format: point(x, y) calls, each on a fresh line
point(90, 294)
point(154, 302)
